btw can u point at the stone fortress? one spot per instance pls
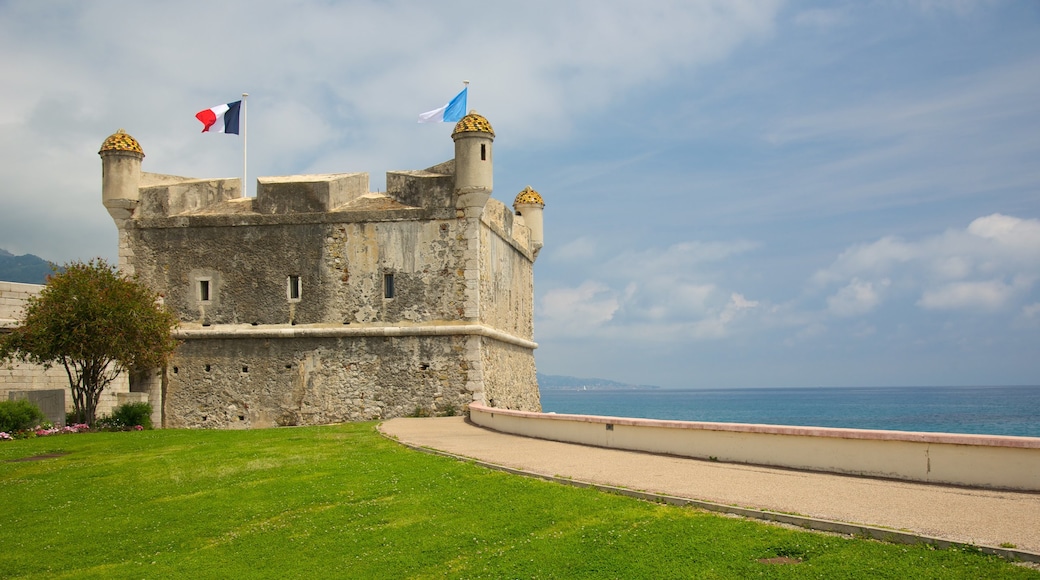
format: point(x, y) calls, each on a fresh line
point(319, 301)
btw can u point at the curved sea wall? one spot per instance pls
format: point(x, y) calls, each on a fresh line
point(985, 461)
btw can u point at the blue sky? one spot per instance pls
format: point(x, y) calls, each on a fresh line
point(738, 194)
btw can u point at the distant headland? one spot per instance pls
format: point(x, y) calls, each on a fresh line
point(565, 383)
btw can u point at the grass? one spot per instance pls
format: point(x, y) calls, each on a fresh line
point(343, 502)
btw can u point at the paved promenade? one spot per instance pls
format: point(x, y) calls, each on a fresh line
point(980, 517)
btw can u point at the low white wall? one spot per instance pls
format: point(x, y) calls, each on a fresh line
point(986, 461)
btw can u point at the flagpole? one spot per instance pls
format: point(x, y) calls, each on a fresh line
point(245, 174)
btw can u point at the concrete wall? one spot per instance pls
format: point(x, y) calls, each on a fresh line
point(970, 460)
point(17, 376)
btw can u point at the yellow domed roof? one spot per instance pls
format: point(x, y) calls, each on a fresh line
point(473, 123)
point(121, 141)
point(528, 195)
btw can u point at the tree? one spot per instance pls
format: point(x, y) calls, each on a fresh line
point(97, 323)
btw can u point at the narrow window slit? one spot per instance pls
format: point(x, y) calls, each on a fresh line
point(293, 289)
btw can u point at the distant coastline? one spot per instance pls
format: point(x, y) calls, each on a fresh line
point(567, 383)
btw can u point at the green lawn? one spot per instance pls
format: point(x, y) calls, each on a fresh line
point(341, 501)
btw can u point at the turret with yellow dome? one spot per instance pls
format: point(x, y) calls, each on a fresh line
point(474, 170)
point(121, 157)
point(528, 205)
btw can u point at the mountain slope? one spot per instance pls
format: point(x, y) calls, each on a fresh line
point(27, 269)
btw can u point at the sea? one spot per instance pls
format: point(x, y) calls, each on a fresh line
point(978, 410)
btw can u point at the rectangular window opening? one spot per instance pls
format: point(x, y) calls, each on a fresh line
point(204, 290)
point(483, 152)
point(293, 288)
point(388, 285)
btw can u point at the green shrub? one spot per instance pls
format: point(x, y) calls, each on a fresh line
point(19, 415)
point(127, 416)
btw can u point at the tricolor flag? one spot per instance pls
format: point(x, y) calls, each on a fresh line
point(221, 119)
point(453, 112)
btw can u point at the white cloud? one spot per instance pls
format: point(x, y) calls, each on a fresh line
point(577, 311)
point(988, 295)
point(957, 269)
point(652, 294)
point(1017, 235)
point(719, 323)
point(877, 258)
point(858, 297)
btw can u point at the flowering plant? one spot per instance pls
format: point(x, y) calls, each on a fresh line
point(44, 430)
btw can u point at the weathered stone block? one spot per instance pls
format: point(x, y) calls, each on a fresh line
point(308, 193)
point(189, 196)
point(421, 188)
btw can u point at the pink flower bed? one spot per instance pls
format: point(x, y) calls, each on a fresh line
point(41, 431)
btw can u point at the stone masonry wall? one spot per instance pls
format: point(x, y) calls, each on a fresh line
point(340, 268)
point(506, 298)
point(506, 286)
point(252, 382)
point(509, 376)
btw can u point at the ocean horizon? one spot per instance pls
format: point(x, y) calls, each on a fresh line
point(983, 410)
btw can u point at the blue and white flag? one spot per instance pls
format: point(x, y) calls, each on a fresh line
point(453, 112)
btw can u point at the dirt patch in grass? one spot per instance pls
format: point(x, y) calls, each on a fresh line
point(779, 560)
point(38, 457)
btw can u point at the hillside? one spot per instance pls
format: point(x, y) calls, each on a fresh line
point(27, 269)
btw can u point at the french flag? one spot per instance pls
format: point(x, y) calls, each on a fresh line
point(221, 119)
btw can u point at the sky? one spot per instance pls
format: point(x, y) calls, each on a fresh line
point(738, 193)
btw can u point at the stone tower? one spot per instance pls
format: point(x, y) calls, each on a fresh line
point(474, 181)
point(121, 157)
point(529, 205)
point(474, 164)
